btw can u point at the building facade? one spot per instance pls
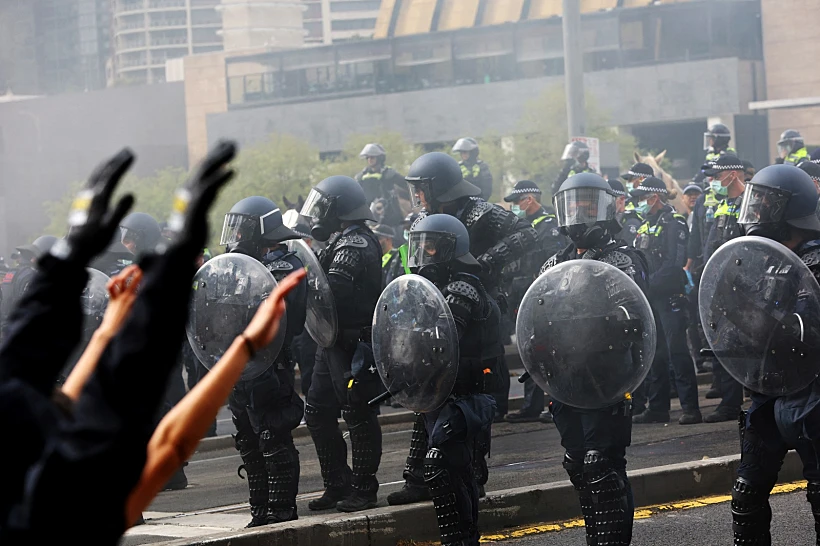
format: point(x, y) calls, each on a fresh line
point(335, 21)
point(147, 33)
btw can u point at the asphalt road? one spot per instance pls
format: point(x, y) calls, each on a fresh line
point(522, 454)
point(706, 524)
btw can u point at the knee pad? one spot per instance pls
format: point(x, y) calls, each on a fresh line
point(355, 416)
point(575, 469)
point(282, 456)
point(435, 463)
point(748, 498)
point(318, 418)
point(751, 513)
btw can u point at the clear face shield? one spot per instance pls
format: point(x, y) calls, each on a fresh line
point(784, 148)
point(584, 206)
point(418, 186)
point(428, 248)
point(762, 205)
point(318, 206)
point(708, 141)
point(129, 237)
point(570, 151)
point(237, 228)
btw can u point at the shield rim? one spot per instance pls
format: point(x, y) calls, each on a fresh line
point(524, 357)
point(702, 314)
point(448, 316)
point(326, 340)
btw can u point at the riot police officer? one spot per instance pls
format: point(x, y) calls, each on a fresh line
point(780, 204)
point(381, 184)
point(729, 171)
point(790, 148)
point(716, 142)
point(596, 440)
point(440, 252)
point(497, 238)
point(628, 218)
point(525, 199)
point(342, 378)
point(663, 238)
point(266, 409)
point(474, 170)
point(140, 233)
point(575, 161)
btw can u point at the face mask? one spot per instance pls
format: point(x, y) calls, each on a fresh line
point(585, 236)
point(515, 209)
point(642, 208)
point(717, 187)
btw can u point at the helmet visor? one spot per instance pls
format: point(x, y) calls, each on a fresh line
point(318, 206)
point(584, 206)
point(428, 248)
point(763, 205)
point(570, 151)
point(238, 227)
point(130, 236)
point(708, 139)
point(421, 186)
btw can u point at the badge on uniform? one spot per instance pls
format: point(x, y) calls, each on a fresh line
point(555, 232)
point(633, 229)
point(682, 235)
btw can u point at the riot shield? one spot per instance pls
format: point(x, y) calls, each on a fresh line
point(586, 334)
point(227, 292)
point(93, 302)
point(321, 321)
point(760, 309)
point(415, 343)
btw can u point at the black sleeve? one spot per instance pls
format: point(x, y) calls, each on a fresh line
point(348, 263)
point(513, 237)
point(485, 181)
point(45, 326)
point(674, 240)
point(465, 303)
point(695, 245)
point(296, 302)
point(561, 178)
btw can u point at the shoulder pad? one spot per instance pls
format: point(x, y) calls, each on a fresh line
point(352, 240)
point(617, 258)
point(552, 262)
point(812, 257)
point(464, 289)
point(479, 209)
point(279, 265)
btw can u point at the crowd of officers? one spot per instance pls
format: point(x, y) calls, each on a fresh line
point(437, 222)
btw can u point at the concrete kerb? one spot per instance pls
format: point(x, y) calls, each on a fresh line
point(501, 510)
point(226, 442)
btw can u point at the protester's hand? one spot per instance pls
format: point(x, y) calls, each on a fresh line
point(91, 224)
point(265, 324)
point(189, 219)
point(122, 293)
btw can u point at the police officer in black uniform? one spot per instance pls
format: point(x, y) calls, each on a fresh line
point(636, 174)
point(140, 233)
point(345, 374)
point(381, 184)
point(629, 219)
point(265, 410)
point(786, 199)
point(596, 440)
point(663, 238)
point(440, 252)
point(791, 148)
point(525, 200)
point(474, 170)
point(728, 169)
point(716, 142)
point(575, 161)
point(497, 238)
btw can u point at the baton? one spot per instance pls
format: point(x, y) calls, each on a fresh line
point(707, 352)
point(523, 377)
point(381, 398)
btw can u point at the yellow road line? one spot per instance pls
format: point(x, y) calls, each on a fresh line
point(640, 513)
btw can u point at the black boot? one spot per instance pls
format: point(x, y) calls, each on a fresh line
point(178, 481)
point(331, 451)
point(751, 514)
point(481, 450)
point(455, 527)
point(254, 466)
point(611, 498)
point(283, 483)
point(414, 488)
point(813, 496)
point(366, 443)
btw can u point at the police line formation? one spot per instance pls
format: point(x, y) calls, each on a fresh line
point(599, 288)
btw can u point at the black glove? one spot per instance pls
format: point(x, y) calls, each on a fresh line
point(91, 224)
point(189, 219)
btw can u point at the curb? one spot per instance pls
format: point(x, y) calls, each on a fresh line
point(226, 442)
point(499, 511)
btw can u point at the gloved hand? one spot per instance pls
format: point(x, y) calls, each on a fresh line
point(189, 218)
point(91, 224)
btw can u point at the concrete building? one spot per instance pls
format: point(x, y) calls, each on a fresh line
point(335, 21)
point(662, 71)
point(252, 24)
point(147, 33)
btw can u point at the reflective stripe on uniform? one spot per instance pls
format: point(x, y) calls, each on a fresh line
point(728, 210)
point(710, 199)
point(796, 157)
point(403, 254)
point(465, 170)
point(541, 219)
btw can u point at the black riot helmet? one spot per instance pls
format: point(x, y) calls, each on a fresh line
point(252, 224)
point(140, 232)
point(790, 141)
point(576, 150)
point(38, 248)
point(779, 197)
point(439, 176)
point(335, 200)
point(717, 138)
point(440, 244)
point(585, 208)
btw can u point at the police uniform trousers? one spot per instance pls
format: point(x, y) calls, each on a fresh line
point(265, 411)
point(771, 428)
point(595, 459)
point(448, 468)
point(333, 388)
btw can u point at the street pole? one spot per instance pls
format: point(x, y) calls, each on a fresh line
point(574, 68)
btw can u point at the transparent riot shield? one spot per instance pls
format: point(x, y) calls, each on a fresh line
point(321, 321)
